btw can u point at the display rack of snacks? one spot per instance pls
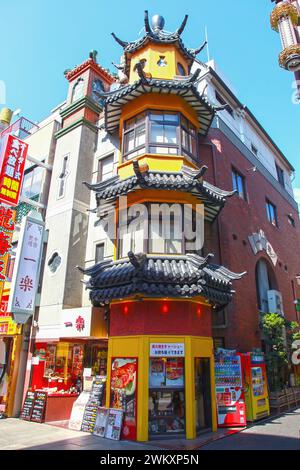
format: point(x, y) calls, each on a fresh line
point(50, 359)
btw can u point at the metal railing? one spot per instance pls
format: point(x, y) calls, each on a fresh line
point(22, 128)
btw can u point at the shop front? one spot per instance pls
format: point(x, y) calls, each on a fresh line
point(10, 349)
point(164, 384)
point(64, 366)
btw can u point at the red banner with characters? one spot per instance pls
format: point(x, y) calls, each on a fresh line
point(123, 393)
point(12, 170)
point(7, 226)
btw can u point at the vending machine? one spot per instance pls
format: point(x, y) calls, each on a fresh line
point(256, 388)
point(229, 389)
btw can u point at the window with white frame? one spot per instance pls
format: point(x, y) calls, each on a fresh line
point(105, 168)
point(32, 182)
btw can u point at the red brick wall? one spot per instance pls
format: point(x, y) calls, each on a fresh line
point(241, 218)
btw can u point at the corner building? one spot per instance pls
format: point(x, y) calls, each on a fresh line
point(159, 294)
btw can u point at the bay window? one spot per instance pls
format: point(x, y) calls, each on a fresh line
point(159, 132)
point(157, 228)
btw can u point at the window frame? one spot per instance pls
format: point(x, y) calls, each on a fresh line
point(269, 204)
point(280, 175)
point(97, 245)
point(144, 148)
point(62, 178)
point(100, 161)
point(147, 247)
point(235, 174)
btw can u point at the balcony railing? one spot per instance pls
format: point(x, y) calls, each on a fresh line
point(22, 128)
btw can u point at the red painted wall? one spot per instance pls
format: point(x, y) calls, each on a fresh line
point(160, 317)
point(230, 243)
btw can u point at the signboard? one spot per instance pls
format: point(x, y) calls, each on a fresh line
point(27, 267)
point(79, 405)
point(27, 406)
point(296, 354)
point(101, 422)
point(259, 242)
point(12, 170)
point(7, 226)
point(114, 424)
point(39, 407)
point(95, 399)
point(76, 323)
point(123, 393)
point(166, 349)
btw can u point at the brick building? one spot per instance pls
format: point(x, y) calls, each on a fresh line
point(241, 155)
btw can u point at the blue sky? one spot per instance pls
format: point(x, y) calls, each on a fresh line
point(42, 38)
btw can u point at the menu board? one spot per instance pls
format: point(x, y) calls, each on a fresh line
point(101, 422)
point(39, 406)
point(79, 405)
point(114, 424)
point(91, 409)
point(166, 372)
point(27, 406)
point(123, 394)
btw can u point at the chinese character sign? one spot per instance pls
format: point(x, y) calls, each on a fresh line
point(167, 350)
point(26, 273)
point(7, 225)
point(12, 170)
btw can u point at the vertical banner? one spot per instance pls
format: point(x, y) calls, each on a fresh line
point(13, 160)
point(7, 226)
point(27, 267)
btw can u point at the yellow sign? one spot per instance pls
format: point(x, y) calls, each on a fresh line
point(9, 327)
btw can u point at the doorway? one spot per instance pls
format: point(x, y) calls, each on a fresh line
point(203, 395)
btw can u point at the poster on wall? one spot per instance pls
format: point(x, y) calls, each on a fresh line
point(123, 393)
point(27, 267)
point(175, 372)
point(114, 424)
point(157, 376)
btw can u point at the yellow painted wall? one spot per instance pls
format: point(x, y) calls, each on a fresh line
point(151, 53)
point(139, 346)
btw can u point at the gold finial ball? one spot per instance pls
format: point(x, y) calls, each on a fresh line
point(158, 23)
point(6, 115)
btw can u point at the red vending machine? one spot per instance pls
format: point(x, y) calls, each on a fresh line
point(229, 389)
point(256, 385)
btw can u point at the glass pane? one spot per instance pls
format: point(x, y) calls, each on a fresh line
point(234, 183)
point(129, 142)
point(184, 122)
point(184, 139)
point(240, 183)
point(171, 117)
point(156, 117)
point(157, 133)
point(170, 134)
point(140, 135)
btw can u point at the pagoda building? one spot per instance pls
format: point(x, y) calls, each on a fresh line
point(161, 288)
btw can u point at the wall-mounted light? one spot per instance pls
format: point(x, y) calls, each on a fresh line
point(165, 309)
point(125, 309)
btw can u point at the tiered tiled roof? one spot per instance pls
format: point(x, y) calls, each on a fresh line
point(160, 276)
point(187, 180)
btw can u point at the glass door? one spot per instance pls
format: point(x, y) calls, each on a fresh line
point(166, 397)
point(203, 395)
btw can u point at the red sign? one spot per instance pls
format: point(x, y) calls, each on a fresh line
point(3, 306)
point(80, 324)
point(12, 171)
point(7, 225)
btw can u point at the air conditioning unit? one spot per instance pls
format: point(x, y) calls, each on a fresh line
point(275, 302)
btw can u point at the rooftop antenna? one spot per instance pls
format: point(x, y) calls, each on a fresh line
point(207, 46)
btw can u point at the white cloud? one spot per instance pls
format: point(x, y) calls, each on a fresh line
point(297, 194)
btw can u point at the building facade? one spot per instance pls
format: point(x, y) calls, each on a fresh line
point(146, 309)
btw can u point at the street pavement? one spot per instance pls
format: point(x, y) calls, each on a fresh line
point(279, 433)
